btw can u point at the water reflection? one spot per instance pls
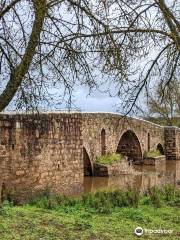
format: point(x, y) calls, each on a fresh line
point(145, 176)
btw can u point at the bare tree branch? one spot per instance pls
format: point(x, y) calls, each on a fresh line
point(7, 8)
point(49, 47)
point(18, 74)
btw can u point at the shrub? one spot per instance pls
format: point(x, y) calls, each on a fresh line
point(109, 158)
point(152, 154)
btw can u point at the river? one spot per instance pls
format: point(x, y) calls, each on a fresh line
point(144, 177)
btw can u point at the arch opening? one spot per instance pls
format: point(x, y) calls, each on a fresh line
point(160, 149)
point(130, 147)
point(103, 142)
point(87, 163)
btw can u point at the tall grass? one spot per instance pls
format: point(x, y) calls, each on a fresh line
point(155, 196)
point(105, 201)
point(109, 158)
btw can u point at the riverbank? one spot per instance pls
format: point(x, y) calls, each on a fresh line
point(104, 215)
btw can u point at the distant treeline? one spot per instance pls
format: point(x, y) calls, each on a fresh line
point(162, 121)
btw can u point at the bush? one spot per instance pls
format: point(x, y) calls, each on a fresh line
point(152, 154)
point(109, 158)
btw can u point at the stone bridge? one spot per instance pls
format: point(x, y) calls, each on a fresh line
point(54, 150)
point(105, 133)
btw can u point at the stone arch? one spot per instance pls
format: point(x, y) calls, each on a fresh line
point(160, 148)
point(103, 142)
point(129, 146)
point(87, 163)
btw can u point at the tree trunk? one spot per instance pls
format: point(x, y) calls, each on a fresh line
point(21, 70)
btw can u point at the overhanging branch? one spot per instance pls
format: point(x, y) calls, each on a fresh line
point(20, 71)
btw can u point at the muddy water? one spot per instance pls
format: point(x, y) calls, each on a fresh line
point(144, 177)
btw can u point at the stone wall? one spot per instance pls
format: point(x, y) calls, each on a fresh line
point(40, 152)
point(114, 169)
point(154, 160)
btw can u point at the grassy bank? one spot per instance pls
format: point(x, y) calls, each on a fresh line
point(104, 215)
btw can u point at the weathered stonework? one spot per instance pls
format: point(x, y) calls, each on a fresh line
point(49, 150)
point(147, 135)
point(115, 169)
point(153, 160)
point(40, 151)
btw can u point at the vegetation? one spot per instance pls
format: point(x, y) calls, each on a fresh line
point(102, 216)
point(64, 43)
point(152, 154)
point(163, 121)
point(109, 158)
point(165, 102)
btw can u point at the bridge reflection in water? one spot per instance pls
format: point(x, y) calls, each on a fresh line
point(143, 178)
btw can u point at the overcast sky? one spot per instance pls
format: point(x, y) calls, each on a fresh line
point(96, 101)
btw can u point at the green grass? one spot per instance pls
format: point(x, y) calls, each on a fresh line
point(152, 154)
point(87, 218)
point(109, 158)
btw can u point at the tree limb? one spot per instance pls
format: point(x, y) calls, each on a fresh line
point(6, 9)
point(18, 74)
